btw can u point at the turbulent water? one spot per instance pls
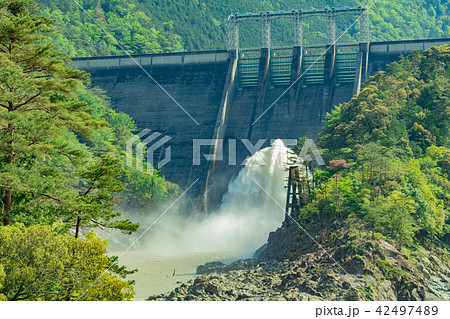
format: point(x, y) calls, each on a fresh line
point(251, 209)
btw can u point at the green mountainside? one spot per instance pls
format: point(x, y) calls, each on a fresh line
point(153, 26)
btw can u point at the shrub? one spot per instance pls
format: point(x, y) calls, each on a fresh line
point(41, 264)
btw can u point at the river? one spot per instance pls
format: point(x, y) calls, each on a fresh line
point(251, 209)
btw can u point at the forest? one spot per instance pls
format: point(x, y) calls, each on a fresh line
point(153, 26)
point(388, 155)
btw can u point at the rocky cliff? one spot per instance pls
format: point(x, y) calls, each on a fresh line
point(293, 267)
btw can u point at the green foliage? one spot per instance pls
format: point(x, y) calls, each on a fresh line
point(62, 148)
point(393, 216)
point(98, 181)
point(43, 265)
point(135, 28)
point(2, 279)
point(37, 107)
point(140, 189)
point(150, 26)
point(388, 153)
point(406, 107)
point(62, 153)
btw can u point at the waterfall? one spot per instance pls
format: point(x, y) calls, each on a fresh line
point(246, 217)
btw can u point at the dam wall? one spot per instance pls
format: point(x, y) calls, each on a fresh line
point(226, 96)
point(196, 81)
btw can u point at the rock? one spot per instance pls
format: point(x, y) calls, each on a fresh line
point(241, 265)
point(197, 290)
point(308, 287)
point(210, 267)
point(200, 280)
point(242, 297)
point(352, 295)
point(429, 296)
point(436, 260)
point(346, 285)
point(230, 292)
point(212, 289)
point(182, 290)
point(385, 291)
point(293, 269)
point(415, 295)
point(356, 265)
point(439, 288)
point(259, 251)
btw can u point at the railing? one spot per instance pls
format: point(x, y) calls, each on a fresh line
point(313, 66)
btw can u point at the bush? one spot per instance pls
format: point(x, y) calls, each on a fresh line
point(41, 264)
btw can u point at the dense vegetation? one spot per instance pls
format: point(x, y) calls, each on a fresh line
point(44, 265)
point(149, 26)
point(389, 155)
point(62, 168)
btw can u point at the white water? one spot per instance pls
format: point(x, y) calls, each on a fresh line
point(249, 212)
point(251, 209)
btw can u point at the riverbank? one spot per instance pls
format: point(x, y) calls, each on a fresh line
point(372, 269)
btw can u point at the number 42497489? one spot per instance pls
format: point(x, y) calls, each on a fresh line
point(407, 310)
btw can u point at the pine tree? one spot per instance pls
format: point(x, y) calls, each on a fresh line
point(37, 105)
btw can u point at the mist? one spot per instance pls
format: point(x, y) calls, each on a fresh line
point(248, 213)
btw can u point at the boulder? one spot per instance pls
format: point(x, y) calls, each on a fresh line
point(214, 266)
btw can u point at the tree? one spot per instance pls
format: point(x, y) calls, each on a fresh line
point(145, 190)
point(200, 25)
point(46, 114)
point(37, 105)
point(41, 264)
point(140, 189)
point(94, 203)
point(393, 216)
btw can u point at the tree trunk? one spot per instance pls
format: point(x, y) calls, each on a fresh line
point(77, 227)
point(7, 208)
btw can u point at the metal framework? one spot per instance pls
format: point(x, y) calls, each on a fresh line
point(298, 30)
point(265, 32)
point(298, 16)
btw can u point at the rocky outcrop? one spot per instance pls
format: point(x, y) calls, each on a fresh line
point(345, 266)
point(219, 267)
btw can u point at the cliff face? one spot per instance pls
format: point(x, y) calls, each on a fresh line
point(293, 267)
point(379, 268)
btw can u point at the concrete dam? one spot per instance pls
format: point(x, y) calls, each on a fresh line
point(234, 95)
